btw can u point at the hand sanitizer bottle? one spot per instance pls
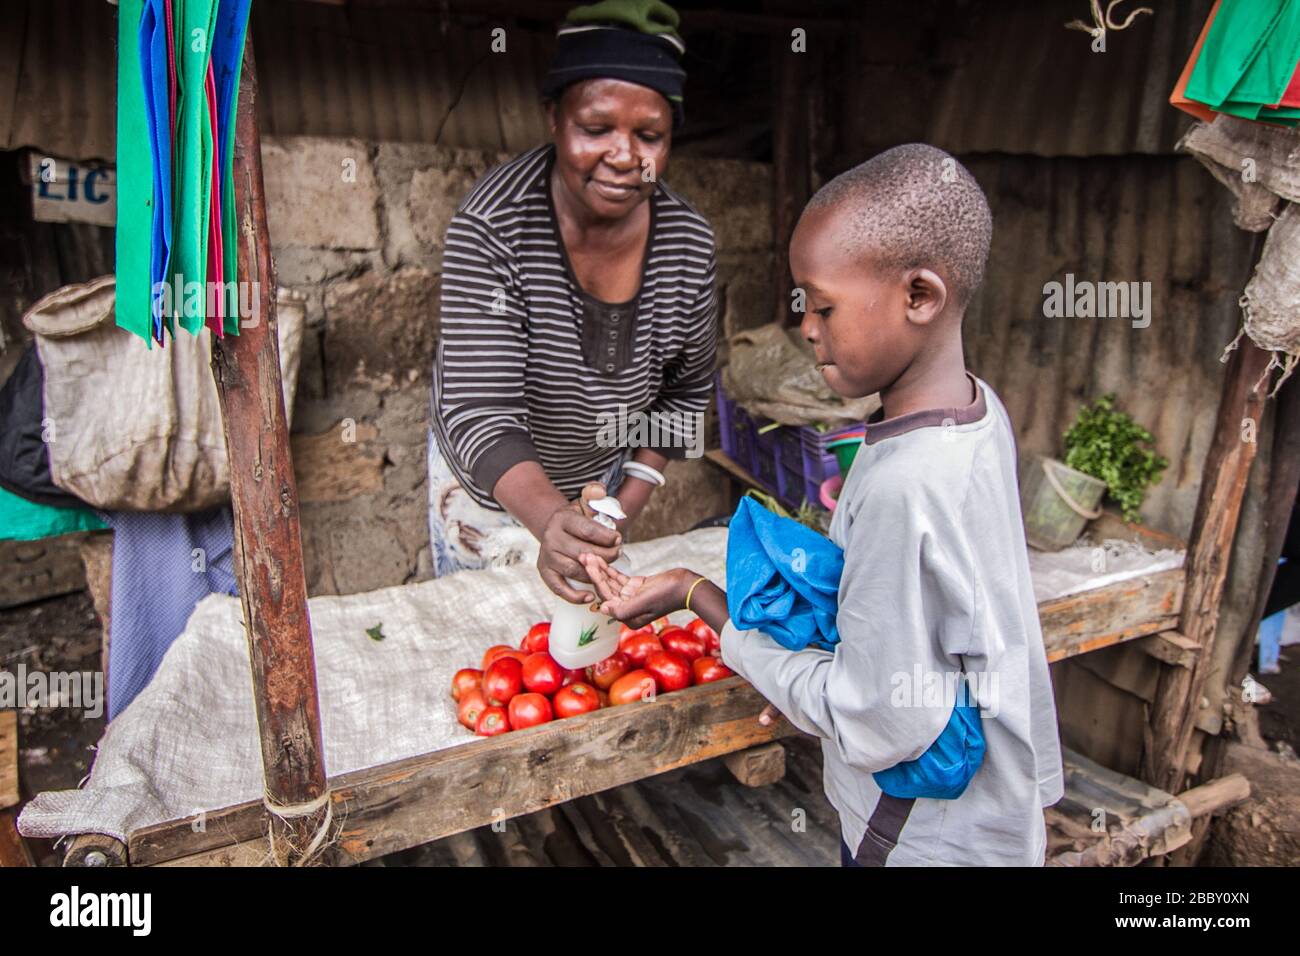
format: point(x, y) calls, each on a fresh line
point(580, 635)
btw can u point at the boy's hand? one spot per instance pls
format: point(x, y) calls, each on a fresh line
point(636, 600)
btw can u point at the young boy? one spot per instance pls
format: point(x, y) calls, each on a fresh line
point(936, 575)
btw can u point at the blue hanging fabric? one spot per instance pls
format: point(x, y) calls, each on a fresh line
point(155, 43)
point(227, 59)
point(784, 580)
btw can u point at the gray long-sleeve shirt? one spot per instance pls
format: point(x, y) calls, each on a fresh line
point(936, 573)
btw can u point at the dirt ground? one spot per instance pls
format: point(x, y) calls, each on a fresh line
point(56, 744)
point(1279, 721)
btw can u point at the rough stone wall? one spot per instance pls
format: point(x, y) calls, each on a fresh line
point(358, 228)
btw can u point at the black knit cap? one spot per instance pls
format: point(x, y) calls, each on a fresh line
point(631, 40)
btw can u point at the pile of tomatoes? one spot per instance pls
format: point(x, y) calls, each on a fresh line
point(523, 687)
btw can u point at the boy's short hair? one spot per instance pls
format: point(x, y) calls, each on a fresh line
point(915, 206)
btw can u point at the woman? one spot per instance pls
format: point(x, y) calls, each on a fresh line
point(577, 289)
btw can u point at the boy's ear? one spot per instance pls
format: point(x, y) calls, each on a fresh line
point(927, 295)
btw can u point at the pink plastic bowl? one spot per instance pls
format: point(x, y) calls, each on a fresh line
point(830, 491)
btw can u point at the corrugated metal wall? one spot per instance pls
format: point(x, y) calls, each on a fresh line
point(403, 74)
point(1156, 219)
point(58, 64)
point(1008, 77)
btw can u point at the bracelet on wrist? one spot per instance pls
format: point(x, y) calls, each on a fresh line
point(691, 590)
point(639, 469)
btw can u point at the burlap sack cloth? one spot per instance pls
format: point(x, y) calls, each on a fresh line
point(133, 428)
point(772, 373)
point(1260, 163)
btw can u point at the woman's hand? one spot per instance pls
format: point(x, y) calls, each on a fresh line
point(569, 533)
point(636, 600)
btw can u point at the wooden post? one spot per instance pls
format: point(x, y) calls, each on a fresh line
point(268, 542)
point(1223, 485)
point(791, 162)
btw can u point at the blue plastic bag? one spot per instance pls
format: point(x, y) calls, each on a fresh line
point(784, 579)
point(944, 770)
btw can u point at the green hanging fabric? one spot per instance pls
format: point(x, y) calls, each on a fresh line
point(228, 57)
point(23, 520)
point(134, 179)
point(1248, 57)
point(193, 160)
point(1265, 81)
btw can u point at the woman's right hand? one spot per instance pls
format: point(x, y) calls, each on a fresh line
point(570, 532)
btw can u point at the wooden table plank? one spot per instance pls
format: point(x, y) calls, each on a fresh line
point(8, 758)
point(1103, 617)
point(413, 801)
point(13, 848)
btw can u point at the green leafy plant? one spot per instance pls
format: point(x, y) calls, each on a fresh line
point(1108, 444)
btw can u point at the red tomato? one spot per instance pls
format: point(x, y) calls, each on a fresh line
point(576, 699)
point(670, 671)
point(577, 675)
point(700, 629)
point(709, 669)
point(541, 674)
point(493, 652)
point(537, 639)
point(466, 679)
point(604, 697)
point(632, 686)
point(529, 710)
point(604, 673)
point(472, 704)
point(502, 680)
point(638, 646)
point(492, 721)
point(683, 642)
point(624, 631)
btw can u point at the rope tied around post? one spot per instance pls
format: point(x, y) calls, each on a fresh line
point(291, 811)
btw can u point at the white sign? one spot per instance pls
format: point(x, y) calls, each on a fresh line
point(66, 190)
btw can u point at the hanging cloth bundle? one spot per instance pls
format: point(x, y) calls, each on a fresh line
point(178, 85)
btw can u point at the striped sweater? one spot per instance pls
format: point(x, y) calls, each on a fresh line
point(531, 367)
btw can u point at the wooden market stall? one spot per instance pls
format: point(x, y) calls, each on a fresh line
point(1171, 615)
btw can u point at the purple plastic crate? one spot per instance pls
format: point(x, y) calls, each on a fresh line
point(789, 462)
